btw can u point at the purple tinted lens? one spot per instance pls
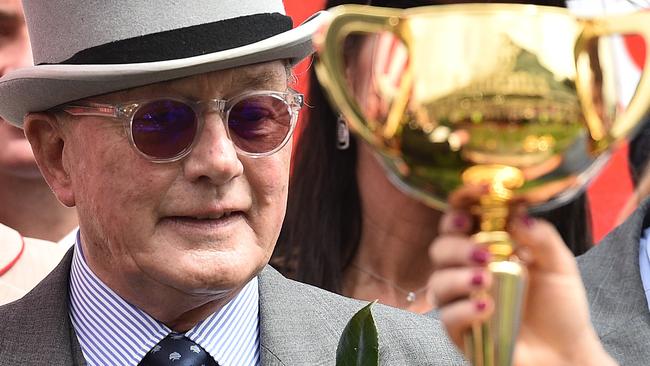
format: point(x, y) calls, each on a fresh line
point(163, 129)
point(259, 124)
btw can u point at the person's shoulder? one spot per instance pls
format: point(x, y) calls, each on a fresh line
point(52, 290)
point(12, 313)
point(617, 300)
point(25, 262)
point(36, 301)
point(611, 273)
point(39, 319)
point(36, 329)
point(18, 321)
point(11, 246)
point(622, 241)
point(404, 337)
point(314, 299)
point(414, 337)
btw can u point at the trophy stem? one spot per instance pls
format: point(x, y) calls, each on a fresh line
point(492, 343)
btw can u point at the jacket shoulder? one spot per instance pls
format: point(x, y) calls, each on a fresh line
point(36, 329)
point(405, 338)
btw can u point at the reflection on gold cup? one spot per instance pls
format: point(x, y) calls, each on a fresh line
point(520, 98)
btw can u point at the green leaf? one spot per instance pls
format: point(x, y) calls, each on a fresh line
point(359, 344)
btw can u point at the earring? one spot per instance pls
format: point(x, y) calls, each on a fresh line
point(342, 133)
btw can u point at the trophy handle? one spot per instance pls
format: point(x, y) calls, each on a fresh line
point(331, 70)
point(605, 133)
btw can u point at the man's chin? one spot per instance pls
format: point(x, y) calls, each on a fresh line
point(203, 288)
point(205, 272)
point(198, 274)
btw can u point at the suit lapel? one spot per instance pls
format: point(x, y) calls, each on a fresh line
point(295, 327)
point(619, 309)
point(40, 329)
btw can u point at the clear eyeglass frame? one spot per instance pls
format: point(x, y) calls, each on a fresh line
point(127, 110)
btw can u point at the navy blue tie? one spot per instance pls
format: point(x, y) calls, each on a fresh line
point(177, 350)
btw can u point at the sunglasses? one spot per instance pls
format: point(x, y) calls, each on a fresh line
point(259, 123)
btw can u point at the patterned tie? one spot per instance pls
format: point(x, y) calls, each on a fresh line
point(177, 350)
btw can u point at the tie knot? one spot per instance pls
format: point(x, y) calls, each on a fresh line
point(177, 350)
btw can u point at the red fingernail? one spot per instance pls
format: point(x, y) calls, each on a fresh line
point(477, 279)
point(528, 221)
point(459, 221)
point(481, 305)
point(480, 255)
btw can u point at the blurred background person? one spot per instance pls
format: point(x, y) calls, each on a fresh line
point(638, 155)
point(349, 230)
point(28, 208)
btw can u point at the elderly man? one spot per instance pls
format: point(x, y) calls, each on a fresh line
point(168, 126)
point(28, 209)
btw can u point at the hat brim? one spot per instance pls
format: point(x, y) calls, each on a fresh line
point(42, 87)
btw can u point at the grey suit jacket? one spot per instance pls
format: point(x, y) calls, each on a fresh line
point(299, 325)
point(619, 310)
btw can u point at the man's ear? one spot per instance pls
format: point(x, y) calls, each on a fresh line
point(47, 138)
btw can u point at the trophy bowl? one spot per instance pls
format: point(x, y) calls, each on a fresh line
point(521, 99)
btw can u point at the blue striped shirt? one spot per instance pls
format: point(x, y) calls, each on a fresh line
point(111, 331)
point(644, 263)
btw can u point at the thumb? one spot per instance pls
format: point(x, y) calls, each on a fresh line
point(545, 246)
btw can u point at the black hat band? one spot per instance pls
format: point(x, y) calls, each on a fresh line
point(185, 42)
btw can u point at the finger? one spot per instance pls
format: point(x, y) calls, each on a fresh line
point(546, 249)
point(449, 285)
point(459, 317)
point(457, 251)
point(456, 222)
point(467, 196)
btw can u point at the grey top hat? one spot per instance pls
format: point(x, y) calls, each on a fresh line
point(92, 47)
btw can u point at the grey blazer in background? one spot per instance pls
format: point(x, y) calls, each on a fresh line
point(299, 325)
point(618, 306)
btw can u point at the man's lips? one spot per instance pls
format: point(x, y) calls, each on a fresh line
point(208, 215)
point(214, 219)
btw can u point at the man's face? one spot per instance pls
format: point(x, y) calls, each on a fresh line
point(16, 156)
point(206, 223)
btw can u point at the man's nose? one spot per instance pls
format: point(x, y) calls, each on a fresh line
point(214, 156)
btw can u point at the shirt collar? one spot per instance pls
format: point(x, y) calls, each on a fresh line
point(69, 239)
point(112, 331)
point(644, 263)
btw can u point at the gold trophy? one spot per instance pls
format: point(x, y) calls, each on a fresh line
point(519, 99)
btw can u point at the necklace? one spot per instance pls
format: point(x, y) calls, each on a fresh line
point(411, 296)
point(11, 263)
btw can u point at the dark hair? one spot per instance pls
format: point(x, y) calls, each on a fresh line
point(322, 228)
point(573, 222)
point(638, 152)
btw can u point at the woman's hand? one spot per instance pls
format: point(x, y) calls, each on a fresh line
point(555, 328)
